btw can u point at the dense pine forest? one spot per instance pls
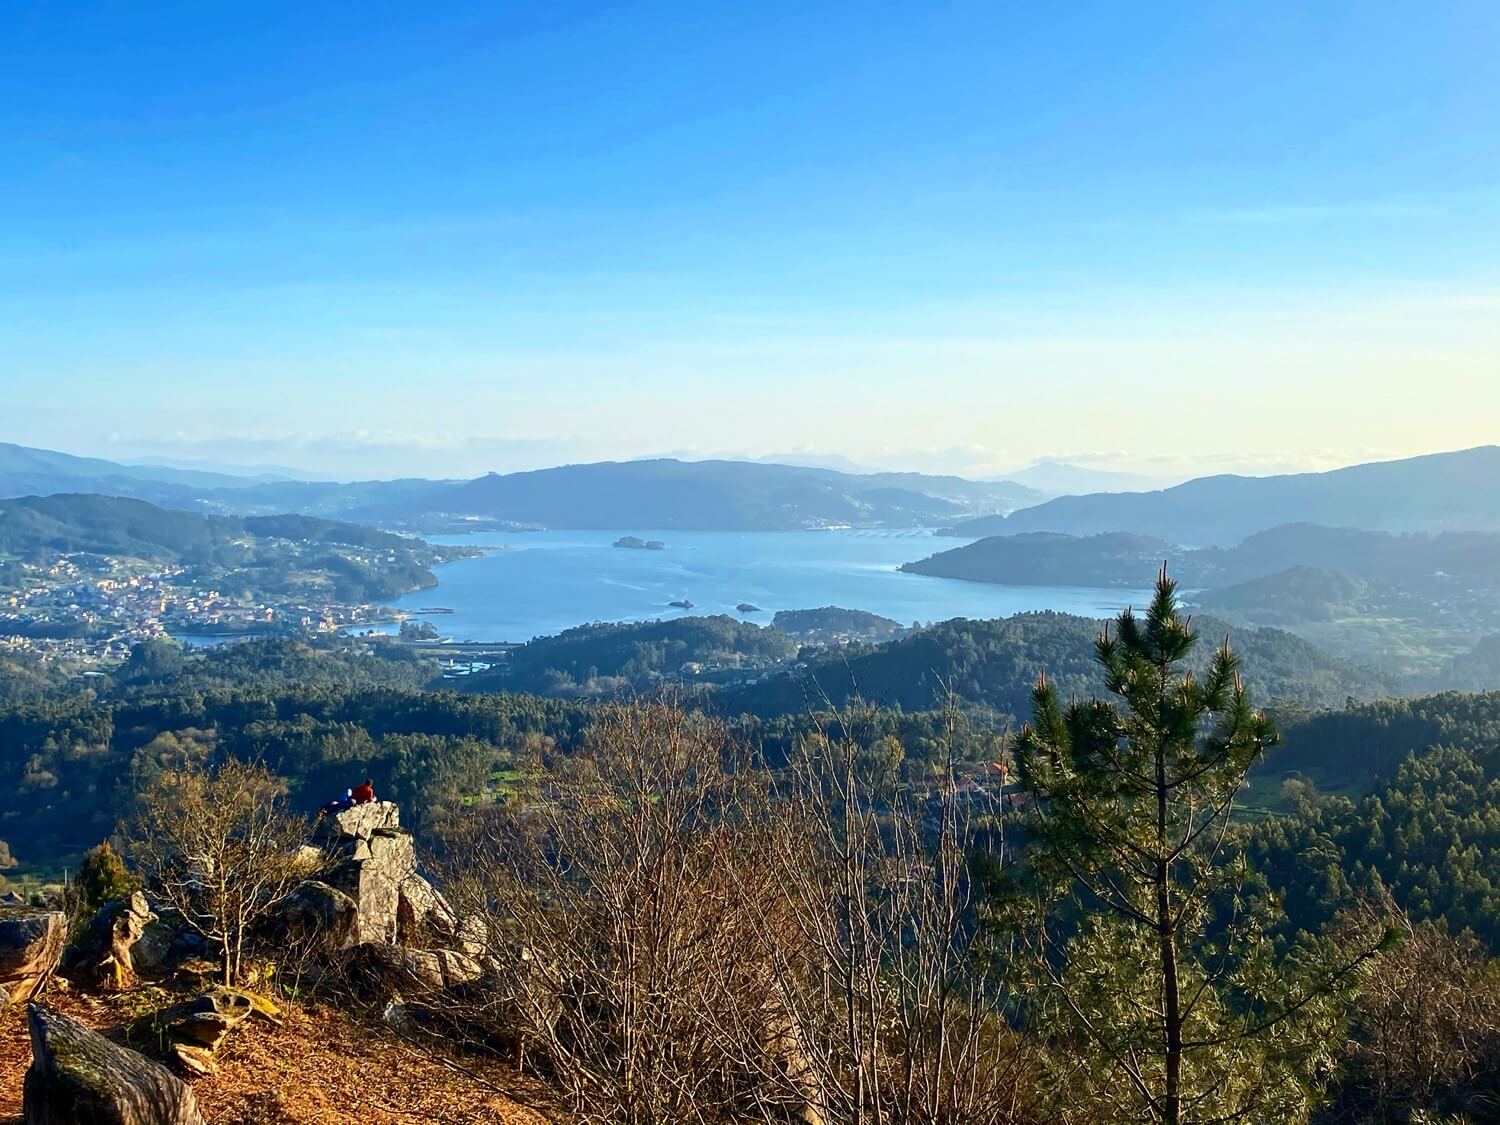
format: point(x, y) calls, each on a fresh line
point(1320, 861)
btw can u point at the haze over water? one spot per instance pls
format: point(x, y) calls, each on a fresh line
point(549, 581)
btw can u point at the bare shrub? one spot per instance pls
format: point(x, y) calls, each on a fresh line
point(1425, 1024)
point(682, 940)
point(624, 902)
point(889, 982)
point(217, 845)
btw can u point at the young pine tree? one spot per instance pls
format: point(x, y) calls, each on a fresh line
point(1157, 982)
point(102, 878)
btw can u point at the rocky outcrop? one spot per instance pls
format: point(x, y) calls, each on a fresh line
point(369, 900)
point(124, 938)
point(195, 1030)
point(425, 918)
point(359, 822)
point(473, 936)
point(368, 855)
point(31, 947)
point(78, 1077)
point(362, 857)
point(415, 973)
point(373, 877)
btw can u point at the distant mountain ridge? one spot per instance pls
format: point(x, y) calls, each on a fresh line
point(1458, 491)
point(651, 494)
point(26, 471)
point(715, 495)
point(1063, 478)
point(258, 474)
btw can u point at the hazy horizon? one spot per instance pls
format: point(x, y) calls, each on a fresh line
point(958, 240)
point(951, 463)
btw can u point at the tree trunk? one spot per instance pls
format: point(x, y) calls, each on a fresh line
point(1172, 1103)
point(1167, 939)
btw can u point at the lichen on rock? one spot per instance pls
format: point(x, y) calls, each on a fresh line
point(78, 1077)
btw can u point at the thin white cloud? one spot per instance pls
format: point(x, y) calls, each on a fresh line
point(359, 453)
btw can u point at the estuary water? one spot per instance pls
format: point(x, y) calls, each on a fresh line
point(536, 583)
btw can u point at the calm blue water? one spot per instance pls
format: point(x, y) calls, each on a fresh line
point(552, 580)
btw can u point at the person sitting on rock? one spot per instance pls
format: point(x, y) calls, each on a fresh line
point(365, 794)
point(338, 804)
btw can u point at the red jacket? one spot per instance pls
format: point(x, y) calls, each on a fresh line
point(364, 794)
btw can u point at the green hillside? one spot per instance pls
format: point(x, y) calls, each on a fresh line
point(996, 663)
point(273, 554)
point(1438, 492)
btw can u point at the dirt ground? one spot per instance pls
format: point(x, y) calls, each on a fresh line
point(318, 1067)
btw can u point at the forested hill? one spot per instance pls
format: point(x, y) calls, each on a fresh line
point(1440, 492)
point(1118, 558)
point(259, 555)
point(72, 766)
point(995, 663)
point(70, 755)
point(603, 659)
point(112, 525)
point(1423, 607)
point(1044, 558)
point(1355, 747)
point(1427, 830)
point(32, 526)
point(745, 667)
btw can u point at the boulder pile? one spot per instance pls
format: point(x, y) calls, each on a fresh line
point(367, 855)
point(363, 903)
point(368, 897)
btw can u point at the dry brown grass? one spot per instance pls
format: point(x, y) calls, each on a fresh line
point(321, 1066)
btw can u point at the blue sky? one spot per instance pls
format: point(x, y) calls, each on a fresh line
point(393, 238)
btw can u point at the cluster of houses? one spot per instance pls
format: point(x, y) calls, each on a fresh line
point(65, 613)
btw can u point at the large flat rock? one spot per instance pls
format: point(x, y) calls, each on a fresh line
point(78, 1077)
point(360, 822)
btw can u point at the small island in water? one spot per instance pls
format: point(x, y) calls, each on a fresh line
point(683, 604)
point(747, 607)
point(635, 543)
